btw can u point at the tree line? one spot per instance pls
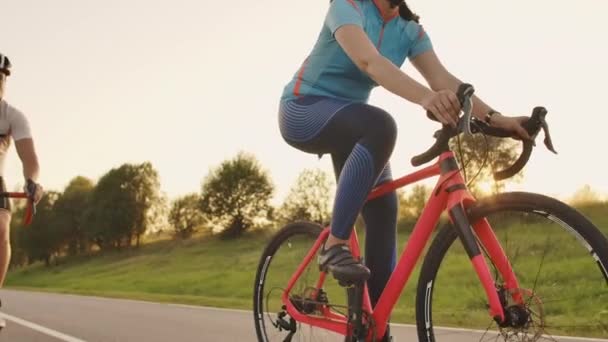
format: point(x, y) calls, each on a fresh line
point(234, 197)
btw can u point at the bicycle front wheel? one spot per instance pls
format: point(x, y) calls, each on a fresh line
point(558, 256)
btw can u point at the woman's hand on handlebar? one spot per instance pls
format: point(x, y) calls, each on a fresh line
point(511, 124)
point(444, 105)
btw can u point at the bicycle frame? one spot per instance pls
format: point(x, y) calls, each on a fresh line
point(449, 194)
point(30, 209)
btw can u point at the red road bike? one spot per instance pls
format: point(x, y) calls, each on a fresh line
point(509, 239)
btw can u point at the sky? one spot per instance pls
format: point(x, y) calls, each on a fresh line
point(186, 84)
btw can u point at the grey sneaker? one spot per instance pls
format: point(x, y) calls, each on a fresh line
point(345, 268)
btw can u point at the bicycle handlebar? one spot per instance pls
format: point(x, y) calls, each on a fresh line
point(30, 209)
point(470, 125)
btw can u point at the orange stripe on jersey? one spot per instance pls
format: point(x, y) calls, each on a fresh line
point(352, 2)
point(296, 89)
point(421, 33)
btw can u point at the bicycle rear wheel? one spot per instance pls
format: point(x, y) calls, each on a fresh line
point(279, 261)
point(559, 257)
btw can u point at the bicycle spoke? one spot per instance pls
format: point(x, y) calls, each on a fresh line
point(534, 313)
point(542, 260)
point(513, 259)
point(486, 332)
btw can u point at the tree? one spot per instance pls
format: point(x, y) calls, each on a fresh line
point(411, 205)
point(501, 153)
point(69, 211)
point(309, 199)
point(40, 240)
point(585, 196)
point(110, 215)
point(145, 189)
point(414, 202)
point(158, 215)
point(185, 215)
point(122, 204)
point(19, 255)
point(236, 195)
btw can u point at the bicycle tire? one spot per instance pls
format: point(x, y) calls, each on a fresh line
point(261, 292)
point(530, 206)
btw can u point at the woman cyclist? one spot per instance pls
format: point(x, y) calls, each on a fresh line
point(324, 109)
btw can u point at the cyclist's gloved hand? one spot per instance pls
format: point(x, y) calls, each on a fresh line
point(33, 190)
point(511, 124)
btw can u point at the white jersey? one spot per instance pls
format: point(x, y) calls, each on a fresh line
point(12, 124)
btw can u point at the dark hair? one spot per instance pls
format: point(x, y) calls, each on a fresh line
point(404, 10)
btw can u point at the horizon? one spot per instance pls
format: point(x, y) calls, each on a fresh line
point(101, 91)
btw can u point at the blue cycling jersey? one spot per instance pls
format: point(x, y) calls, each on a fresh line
point(328, 71)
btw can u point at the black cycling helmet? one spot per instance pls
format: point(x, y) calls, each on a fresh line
point(5, 65)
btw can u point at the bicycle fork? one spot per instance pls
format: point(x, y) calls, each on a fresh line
point(467, 237)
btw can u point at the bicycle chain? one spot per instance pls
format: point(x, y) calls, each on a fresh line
point(369, 318)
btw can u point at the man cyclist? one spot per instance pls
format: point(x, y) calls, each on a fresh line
point(14, 125)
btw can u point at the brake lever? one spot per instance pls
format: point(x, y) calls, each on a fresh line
point(548, 142)
point(536, 123)
point(467, 109)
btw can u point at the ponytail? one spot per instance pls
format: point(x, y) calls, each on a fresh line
point(406, 13)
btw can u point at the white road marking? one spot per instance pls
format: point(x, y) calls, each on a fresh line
point(39, 328)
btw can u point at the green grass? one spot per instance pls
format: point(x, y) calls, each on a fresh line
point(204, 272)
point(213, 272)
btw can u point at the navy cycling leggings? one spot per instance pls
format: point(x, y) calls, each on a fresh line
point(360, 139)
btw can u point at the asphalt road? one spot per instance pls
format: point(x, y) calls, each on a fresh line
point(42, 317)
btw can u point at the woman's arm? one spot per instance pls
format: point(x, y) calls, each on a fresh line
point(438, 77)
point(355, 43)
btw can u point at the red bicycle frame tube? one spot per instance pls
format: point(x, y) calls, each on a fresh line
point(14, 194)
point(29, 209)
point(354, 248)
point(499, 258)
point(440, 201)
point(330, 321)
